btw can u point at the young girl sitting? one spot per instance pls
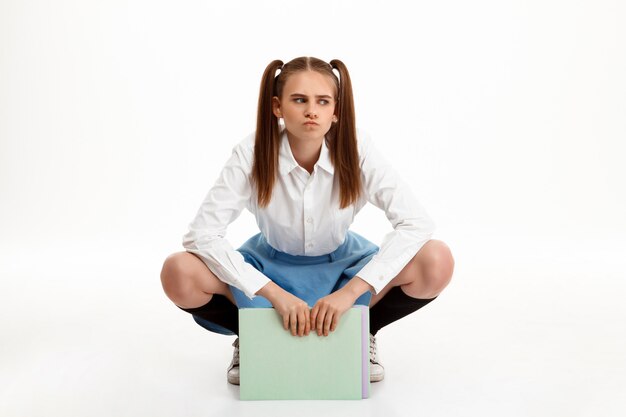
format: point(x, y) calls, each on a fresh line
point(305, 180)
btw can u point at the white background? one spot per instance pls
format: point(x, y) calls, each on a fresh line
point(506, 117)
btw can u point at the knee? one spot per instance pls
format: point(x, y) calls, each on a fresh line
point(175, 277)
point(437, 265)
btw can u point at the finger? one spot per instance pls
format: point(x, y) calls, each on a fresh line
point(301, 323)
point(294, 321)
point(314, 313)
point(307, 319)
point(286, 321)
point(327, 320)
point(335, 322)
point(320, 322)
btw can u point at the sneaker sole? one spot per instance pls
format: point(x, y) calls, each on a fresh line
point(377, 378)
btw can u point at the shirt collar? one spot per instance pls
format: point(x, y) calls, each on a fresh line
point(287, 162)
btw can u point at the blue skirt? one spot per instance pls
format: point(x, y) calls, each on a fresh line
point(307, 277)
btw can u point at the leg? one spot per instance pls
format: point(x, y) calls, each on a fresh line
point(189, 283)
point(419, 283)
point(194, 289)
point(426, 275)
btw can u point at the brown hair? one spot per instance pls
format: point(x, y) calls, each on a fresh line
point(341, 138)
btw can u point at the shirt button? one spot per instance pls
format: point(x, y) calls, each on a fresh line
point(309, 220)
point(380, 277)
point(310, 245)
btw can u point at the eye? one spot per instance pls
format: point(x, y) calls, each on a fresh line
point(323, 101)
point(297, 100)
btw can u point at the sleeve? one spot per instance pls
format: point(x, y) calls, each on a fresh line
point(221, 206)
point(412, 226)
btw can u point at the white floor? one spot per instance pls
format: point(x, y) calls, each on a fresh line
point(523, 330)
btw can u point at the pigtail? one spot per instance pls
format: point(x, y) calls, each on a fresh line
point(343, 146)
point(267, 136)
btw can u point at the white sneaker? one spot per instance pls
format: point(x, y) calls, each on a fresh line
point(232, 373)
point(377, 371)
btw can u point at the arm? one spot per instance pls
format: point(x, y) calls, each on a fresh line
point(412, 229)
point(412, 226)
point(221, 206)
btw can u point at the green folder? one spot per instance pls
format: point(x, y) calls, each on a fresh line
point(274, 365)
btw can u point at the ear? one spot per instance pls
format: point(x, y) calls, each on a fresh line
point(276, 107)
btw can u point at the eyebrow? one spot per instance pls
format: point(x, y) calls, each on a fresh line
point(304, 95)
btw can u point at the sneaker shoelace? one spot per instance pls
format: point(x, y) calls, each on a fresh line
point(373, 353)
point(236, 352)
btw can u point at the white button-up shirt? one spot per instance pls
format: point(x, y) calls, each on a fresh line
point(303, 216)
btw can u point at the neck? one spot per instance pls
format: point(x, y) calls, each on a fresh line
point(305, 151)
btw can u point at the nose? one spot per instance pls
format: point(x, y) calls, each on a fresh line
point(310, 112)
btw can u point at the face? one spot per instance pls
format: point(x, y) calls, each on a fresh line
point(307, 105)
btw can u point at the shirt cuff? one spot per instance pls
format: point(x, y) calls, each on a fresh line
point(252, 282)
point(378, 274)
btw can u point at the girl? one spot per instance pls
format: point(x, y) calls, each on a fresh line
point(304, 180)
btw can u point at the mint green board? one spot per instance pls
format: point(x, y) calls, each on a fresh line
point(274, 365)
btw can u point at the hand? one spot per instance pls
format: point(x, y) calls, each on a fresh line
point(327, 311)
point(294, 311)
